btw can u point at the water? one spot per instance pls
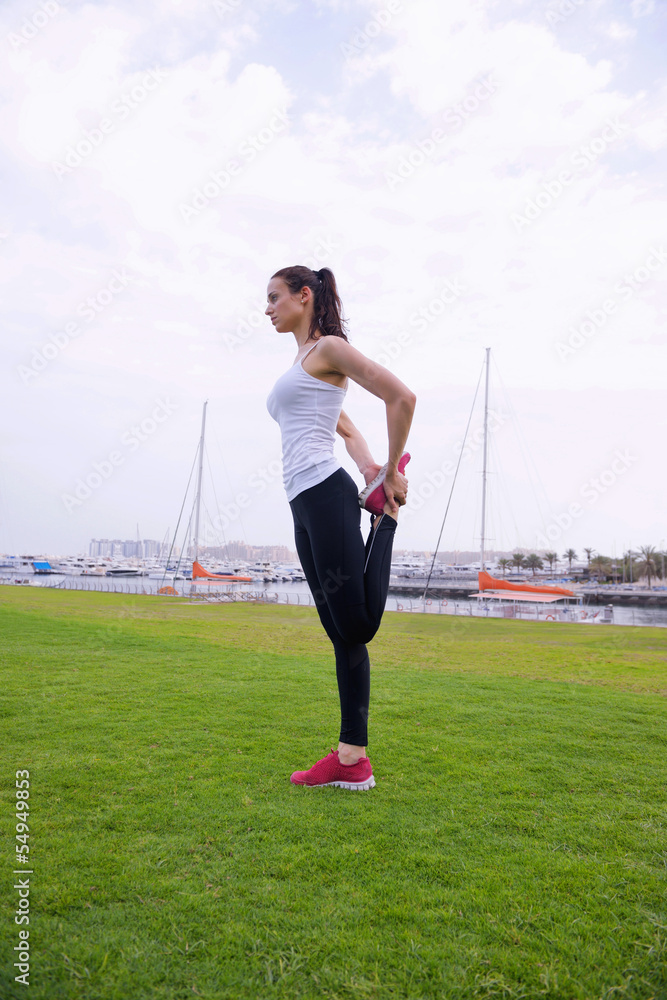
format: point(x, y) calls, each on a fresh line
point(622, 615)
point(299, 594)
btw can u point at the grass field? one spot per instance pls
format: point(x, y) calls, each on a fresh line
point(514, 846)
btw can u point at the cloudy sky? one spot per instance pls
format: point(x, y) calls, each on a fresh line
point(480, 173)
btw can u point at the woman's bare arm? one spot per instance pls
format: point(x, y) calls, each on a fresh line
point(357, 448)
point(340, 357)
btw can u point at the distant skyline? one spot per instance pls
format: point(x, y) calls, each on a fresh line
point(455, 557)
point(477, 173)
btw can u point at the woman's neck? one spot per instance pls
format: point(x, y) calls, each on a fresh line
point(302, 344)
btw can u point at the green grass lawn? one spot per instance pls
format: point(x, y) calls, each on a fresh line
point(514, 846)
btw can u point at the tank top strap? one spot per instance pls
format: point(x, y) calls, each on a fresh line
point(307, 353)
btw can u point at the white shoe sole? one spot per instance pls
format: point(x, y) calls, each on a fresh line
point(373, 485)
point(358, 786)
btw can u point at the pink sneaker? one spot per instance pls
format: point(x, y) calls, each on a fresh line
point(329, 771)
point(373, 497)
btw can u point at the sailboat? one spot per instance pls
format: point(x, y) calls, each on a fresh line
point(199, 574)
point(552, 603)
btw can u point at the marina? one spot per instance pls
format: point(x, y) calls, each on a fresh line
point(419, 582)
point(286, 585)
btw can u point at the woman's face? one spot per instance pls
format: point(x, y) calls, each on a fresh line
point(284, 309)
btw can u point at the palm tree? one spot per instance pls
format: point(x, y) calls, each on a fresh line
point(647, 567)
point(533, 562)
point(589, 553)
point(517, 560)
point(551, 558)
point(504, 563)
point(570, 555)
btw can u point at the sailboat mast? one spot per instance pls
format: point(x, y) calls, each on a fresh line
point(486, 431)
point(199, 476)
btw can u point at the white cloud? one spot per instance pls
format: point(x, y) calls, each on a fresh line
point(620, 32)
point(652, 134)
point(318, 186)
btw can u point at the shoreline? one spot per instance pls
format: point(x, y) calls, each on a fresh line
point(598, 596)
point(453, 600)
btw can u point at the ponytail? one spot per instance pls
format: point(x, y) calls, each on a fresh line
point(327, 306)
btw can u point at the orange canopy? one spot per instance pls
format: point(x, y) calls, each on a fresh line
point(487, 582)
point(199, 573)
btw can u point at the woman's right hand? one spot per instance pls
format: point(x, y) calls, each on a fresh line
point(396, 488)
point(397, 485)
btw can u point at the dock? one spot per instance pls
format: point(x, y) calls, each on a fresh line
point(460, 589)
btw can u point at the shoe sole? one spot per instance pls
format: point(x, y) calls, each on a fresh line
point(353, 786)
point(373, 485)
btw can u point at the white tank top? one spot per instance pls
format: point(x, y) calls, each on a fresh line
point(307, 411)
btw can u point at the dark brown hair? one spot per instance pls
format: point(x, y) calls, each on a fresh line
point(327, 306)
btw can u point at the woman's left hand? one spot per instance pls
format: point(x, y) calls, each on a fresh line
point(371, 471)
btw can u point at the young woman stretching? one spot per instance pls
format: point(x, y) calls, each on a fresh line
point(348, 579)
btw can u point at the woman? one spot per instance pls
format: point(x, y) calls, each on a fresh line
point(349, 580)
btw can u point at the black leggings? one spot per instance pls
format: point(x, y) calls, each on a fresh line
point(349, 581)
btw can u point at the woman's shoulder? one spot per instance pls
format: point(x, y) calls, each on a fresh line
point(340, 358)
point(337, 350)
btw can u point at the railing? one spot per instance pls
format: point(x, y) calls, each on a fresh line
point(306, 600)
point(185, 589)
